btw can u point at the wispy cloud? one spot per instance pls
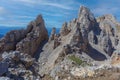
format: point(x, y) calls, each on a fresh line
point(102, 8)
point(2, 10)
point(105, 10)
point(27, 1)
point(45, 3)
point(58, 5)
point(20, 12)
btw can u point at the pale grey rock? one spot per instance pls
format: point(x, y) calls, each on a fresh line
point(92, 37)
point(52, 36)
point(107, 45)
point(4, 78)
point(56, 41)
point(87, 19)
point(116, 40)
point(64, 30)
point(67, 49)
point(16, 65)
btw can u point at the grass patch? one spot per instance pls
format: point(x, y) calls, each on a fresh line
point(118, 28)
point(75, 59)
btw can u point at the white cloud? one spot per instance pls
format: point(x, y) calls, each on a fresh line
point(2, 10)
point(105, 10)
point(23, 16)
point(26, 1)
point(44, 3)
point(110, 8)
point(57, 5)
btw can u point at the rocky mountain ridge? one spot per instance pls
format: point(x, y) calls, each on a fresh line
point(25, 40)
point(84, 48)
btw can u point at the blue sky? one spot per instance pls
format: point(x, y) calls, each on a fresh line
point(19, 13)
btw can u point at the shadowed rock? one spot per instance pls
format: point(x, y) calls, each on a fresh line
point(26, 41)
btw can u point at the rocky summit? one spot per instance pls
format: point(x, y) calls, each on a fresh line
point(86, 48)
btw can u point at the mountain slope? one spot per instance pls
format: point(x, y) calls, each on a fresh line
point(87, 40)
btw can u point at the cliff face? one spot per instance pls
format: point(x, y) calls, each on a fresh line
point(87, 38)
point(37, 34)
point(26, 41)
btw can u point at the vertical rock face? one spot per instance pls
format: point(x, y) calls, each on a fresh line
point(26, 41)
point(109, 24)
point(107, 45)
point(33, 39)
point(86, 18)
point(77, 37)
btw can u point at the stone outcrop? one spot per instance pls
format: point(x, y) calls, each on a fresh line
point(87, 19)
point(73, 39)
point(109, 23)
point(27, 40)
point(52, 35)
point(19, 66)
point(107, 45)
point(33, 39)
point(64, 30)
point(92, 37)
point(86, 37)
point(9, 41)
point(56, 41)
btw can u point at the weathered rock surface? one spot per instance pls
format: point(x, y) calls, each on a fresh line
point(73, 38)
point(87, 19)
point(26, 41)
point(52, 35)
point(87, 37)
point(10, 40)
point(33, 39)
point(19, 66)
point(64, 30)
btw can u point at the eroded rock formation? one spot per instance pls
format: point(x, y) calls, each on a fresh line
point(37, 35)
point(27, 40)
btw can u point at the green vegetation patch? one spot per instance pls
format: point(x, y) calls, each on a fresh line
point(75, 59)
